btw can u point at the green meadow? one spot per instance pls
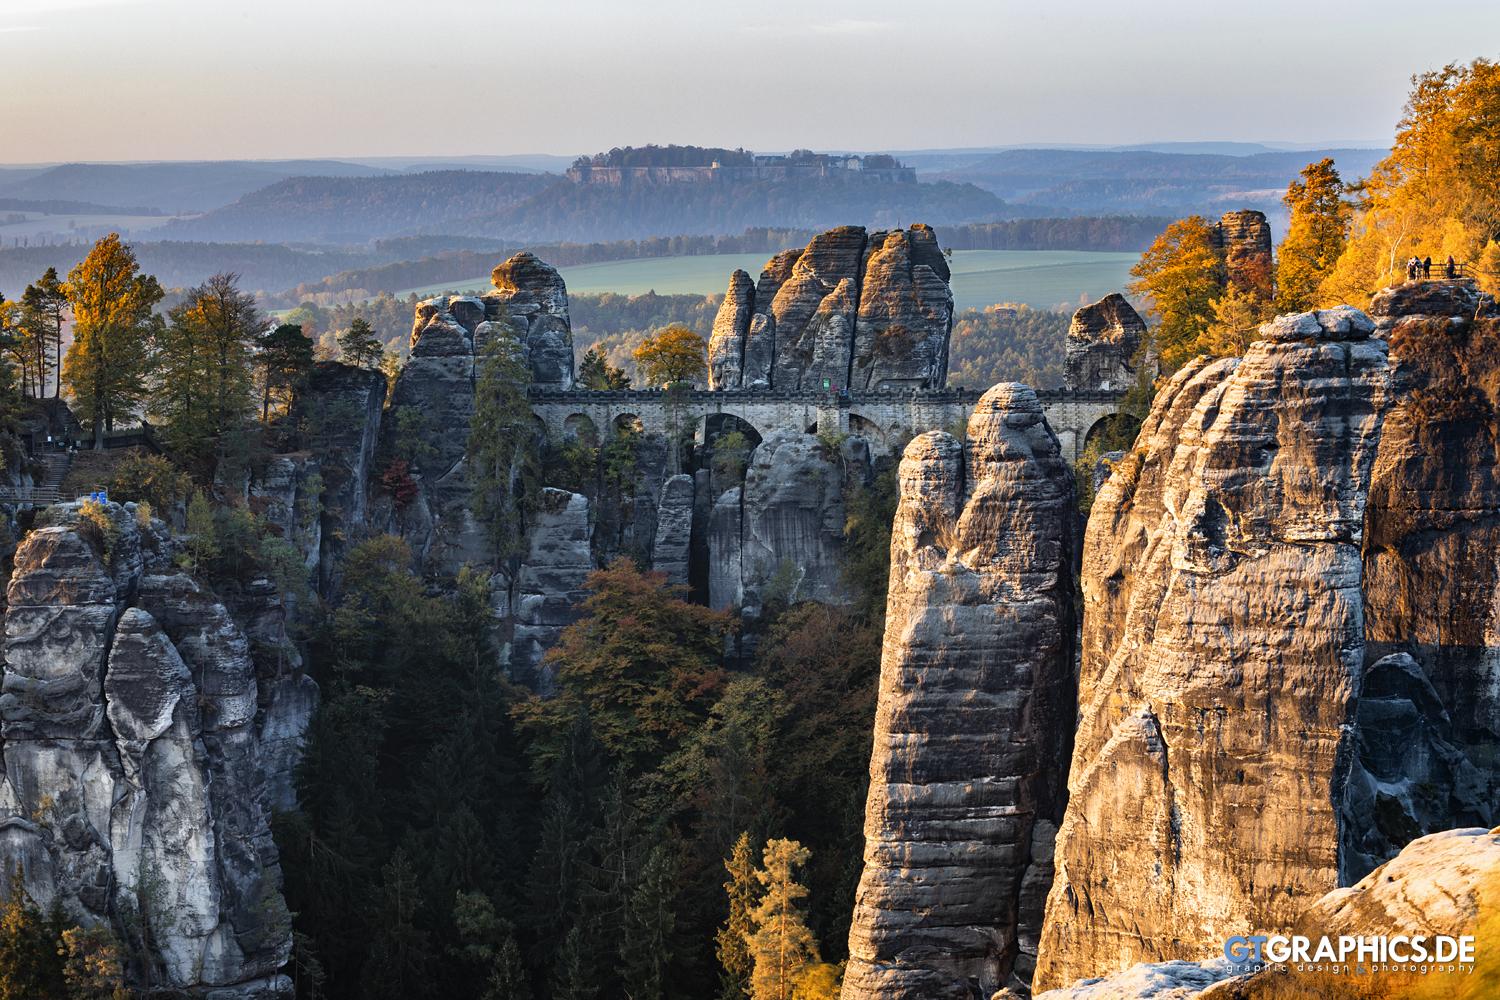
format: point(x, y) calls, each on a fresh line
point(1039, 278)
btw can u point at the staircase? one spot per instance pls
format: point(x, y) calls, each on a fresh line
point(49, 490)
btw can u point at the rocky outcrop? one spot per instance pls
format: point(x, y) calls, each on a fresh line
point(973, 726)
point(1288, 664)
point(134, 791)
point(1439, 885)
point(1243, 240)
point(549, 584)
point(674, 530)
point(1103, 342)
point(854, 309)
point(338, 414)
point(780, 536)
point(535, 298)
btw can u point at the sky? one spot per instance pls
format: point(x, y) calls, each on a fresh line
point(220, 79)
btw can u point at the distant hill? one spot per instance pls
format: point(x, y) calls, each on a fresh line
point(360, 209)
point(1097, 182)
point(168, 187)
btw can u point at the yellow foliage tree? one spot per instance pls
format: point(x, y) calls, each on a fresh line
point(781, 945)
point(1180, 275)
point(1437, 193)
point(1316, 235)
point(676, 354)
point(106, 367)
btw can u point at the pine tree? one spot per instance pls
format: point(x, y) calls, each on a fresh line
point(399, 954)
point(731, 943)
point(45, 303)
point(358, 345)
point(107, 365)
point(1315, 236)
point(781, 945)
point(30, 966)
point(286, 358)
point(596, 373)
point(573, 976)
point(204, 384)
point(650, 921)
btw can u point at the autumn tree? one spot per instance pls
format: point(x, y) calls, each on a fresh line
point(781, 945)
point(674, 355)
point(1315, 235)
point(1436, 193)
point(286, 358)
point(358, 345)
point(107, 365)
point(596, 373)
point(204, 383)
point(30, 966)
point(1180, 275)
point(641, 662)
point(503, 451)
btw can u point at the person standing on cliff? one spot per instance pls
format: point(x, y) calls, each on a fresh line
point(1427, 266)
point(1451, 268)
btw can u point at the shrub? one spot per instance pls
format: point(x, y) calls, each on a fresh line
point(152, 478)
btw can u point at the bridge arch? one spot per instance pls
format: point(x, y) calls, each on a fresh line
point(869, 430)
point(1110, 432)
point(580, 427)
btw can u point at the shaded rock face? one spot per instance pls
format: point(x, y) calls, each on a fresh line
point(549, 585)
point(973, 727)
point(853, 309)
point(780, 535)
point(1103, 340)
point(1288, 669)
point(674, 529)
point(339, 411)
point(134, 788)
point(1243, 239)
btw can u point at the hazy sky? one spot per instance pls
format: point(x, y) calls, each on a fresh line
point(178, 79)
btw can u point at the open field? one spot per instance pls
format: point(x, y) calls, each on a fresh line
point(1039, 278)
point(29, 225)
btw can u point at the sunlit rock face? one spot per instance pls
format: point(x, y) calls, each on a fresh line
point(1104, 339)
point(974, 722)
point(135, 790)
point(1287, 664)
point(1243, 240)
point(853, 310)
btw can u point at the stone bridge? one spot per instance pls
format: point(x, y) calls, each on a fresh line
point(887, 419)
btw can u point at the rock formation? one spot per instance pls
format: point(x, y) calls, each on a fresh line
point(674, 529)
point(135, 791)
point(1288, 658)
point(854, 309)
point(974, 722)
point(550, 582)
point(535, 298)
point(1243, 239)
point(1103, 341)
point(1437, 885)
point(780, 535)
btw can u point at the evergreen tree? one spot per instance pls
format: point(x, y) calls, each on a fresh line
point(596, 373)
point(732, 940)
point(107, 365)
point(45, 305)
point(30, 966)
point(400, 954)
point(573, 976)
point(286, 358)
point(203, 391)
point(1315, 237)
point(781, 945)
point(650, 922)
point(503, 452)
point(358, 345)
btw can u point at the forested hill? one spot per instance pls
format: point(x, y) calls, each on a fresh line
point(357, 209)
point(539, 208)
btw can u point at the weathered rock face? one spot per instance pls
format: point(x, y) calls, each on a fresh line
point(854, 309)
point(1288, 669)
point(1437, 885)
point(975, 714)
point(535, 297)
point(1103, 341)
point(1243, 239)
point(134, 787)
point(339, 411)
point(780, 536)
point(674, 529)
point(550, 583)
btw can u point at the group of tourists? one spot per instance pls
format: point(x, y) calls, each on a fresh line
point(1421, 267)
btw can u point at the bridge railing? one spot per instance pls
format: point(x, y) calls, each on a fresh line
point(545, 394)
